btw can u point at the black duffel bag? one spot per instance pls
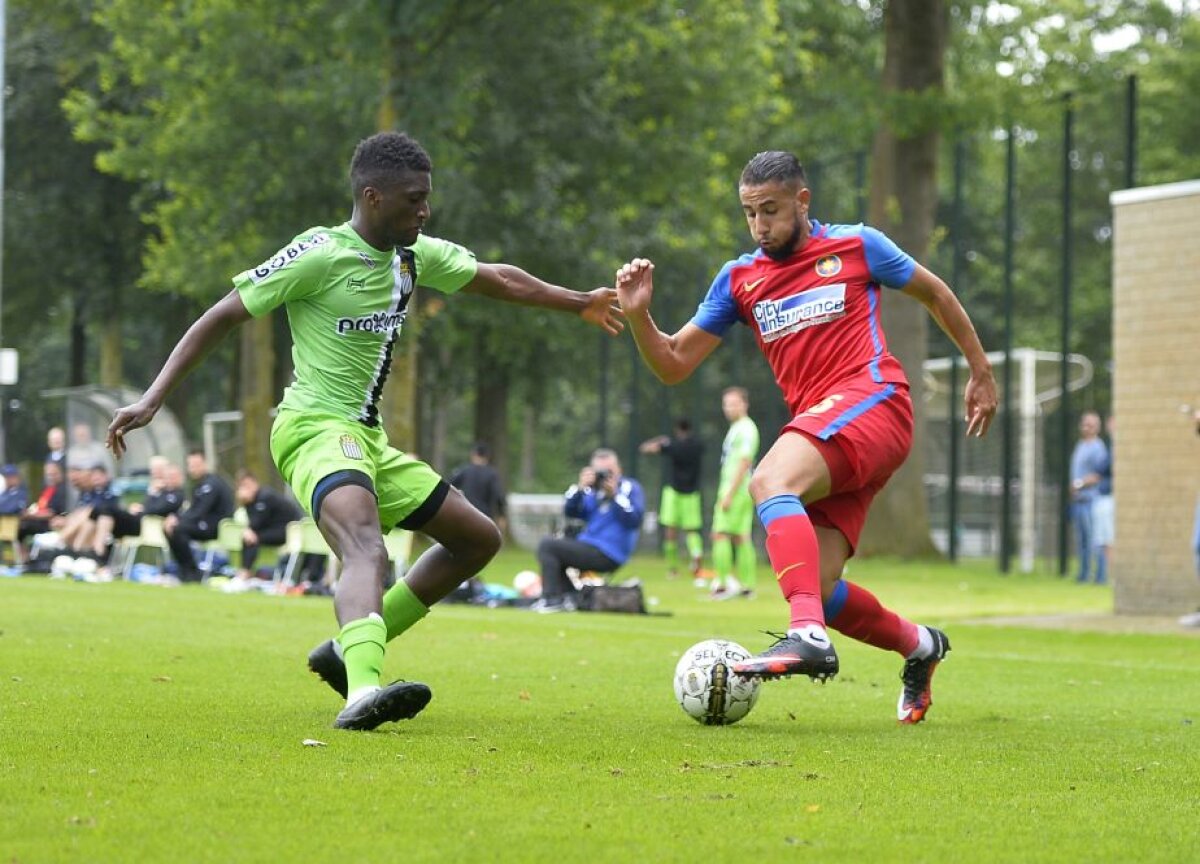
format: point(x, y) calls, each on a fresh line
point(612, 598)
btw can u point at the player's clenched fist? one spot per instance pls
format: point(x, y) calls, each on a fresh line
point(635, 285)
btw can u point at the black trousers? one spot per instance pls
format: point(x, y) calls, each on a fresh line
point(272, 535)
point(179, 539)
point(556, 554)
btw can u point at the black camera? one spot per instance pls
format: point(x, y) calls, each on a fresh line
point(602, 475)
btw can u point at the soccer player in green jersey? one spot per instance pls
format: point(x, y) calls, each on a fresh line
point(733, 516)
point(346, 290)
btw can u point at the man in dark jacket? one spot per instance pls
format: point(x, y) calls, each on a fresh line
point(268, 513)
point(164, 496)
point(481, 484)
point(212, 501)
point(15, 495)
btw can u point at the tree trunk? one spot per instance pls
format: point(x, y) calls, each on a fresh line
point(257, 366)
point(77, 374)
point(527, 475)
point(111, 350)
point(903, 204)
point(491, 409)
point(399, 406)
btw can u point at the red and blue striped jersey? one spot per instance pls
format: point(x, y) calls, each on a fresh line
point(815, 315)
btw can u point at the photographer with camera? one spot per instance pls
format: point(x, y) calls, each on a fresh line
point(611, 505)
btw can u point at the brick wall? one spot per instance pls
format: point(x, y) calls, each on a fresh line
point(1156, 350)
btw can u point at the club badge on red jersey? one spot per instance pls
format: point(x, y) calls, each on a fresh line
point(829, 265)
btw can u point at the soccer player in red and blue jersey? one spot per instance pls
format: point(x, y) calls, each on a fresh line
point(811, 294)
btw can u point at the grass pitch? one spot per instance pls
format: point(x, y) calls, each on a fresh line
point(147, 724)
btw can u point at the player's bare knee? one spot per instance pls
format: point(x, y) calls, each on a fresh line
point(766, 484)
point(365, 553)
point(478, 545)
point(489, 541)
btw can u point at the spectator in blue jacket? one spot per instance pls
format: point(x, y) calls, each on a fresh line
point(611, 506)
point(15, 496)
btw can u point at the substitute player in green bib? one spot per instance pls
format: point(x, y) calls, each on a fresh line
point(733, 516)
point(346, 290)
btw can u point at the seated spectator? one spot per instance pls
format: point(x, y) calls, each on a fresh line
point(268, 512)
point(611, 506)
point(56, 447)
point(64, 529)
point(51, 503)
point(164, 496)
point(78, 532)
point(15, 496)
point(212, 501)
point(85, 451)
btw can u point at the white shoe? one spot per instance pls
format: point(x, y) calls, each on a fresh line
point(564, 604)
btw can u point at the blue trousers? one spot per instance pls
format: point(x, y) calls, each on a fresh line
point(1081, 515)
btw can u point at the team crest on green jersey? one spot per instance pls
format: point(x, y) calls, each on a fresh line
point(351, 447)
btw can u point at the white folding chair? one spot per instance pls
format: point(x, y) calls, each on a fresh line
point(399, 545)
point(10, 528)
point(304, 538)
point(151, 536)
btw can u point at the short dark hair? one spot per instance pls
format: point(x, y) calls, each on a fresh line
point(683, 424)
point(482, 450)
point(245, 474)
point(197, 451)
point(378, 159)
point(773, 166)
point(741, 392)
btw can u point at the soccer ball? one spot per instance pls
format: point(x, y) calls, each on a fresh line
point(528, 583)
point(707, 690)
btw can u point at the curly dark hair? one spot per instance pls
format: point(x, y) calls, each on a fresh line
point(381, 157)
point(773, 166)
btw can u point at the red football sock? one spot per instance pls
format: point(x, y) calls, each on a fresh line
point(863, 617)
point(796, 560)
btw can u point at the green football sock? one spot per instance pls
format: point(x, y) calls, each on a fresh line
point(722, 552)
point(362, 651)
point(695, 545)
point(671, 553)
point(401, 609)
point(747, 564)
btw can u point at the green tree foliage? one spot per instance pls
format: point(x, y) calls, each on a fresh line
point(71, 240)
point(567, 137)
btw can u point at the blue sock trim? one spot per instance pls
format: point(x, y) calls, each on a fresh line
point(833, 606)
point(778, 507)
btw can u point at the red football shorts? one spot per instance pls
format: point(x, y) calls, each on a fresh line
point(864, 432)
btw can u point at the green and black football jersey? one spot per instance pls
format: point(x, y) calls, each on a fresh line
point(346, 302)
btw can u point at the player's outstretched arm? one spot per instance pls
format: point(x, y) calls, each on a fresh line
point(514, 285)
point(980, 396)
point(207, 331)
point(654, 445)
point(671, 358)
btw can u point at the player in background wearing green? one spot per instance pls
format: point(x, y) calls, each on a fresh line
point(346, 290)
point(733, 515)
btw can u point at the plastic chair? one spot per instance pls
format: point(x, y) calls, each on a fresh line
point(10, 526)
point(151, 536)
point(229, 536)
point(304, 538)
point(399, 548)
point(230, 541)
